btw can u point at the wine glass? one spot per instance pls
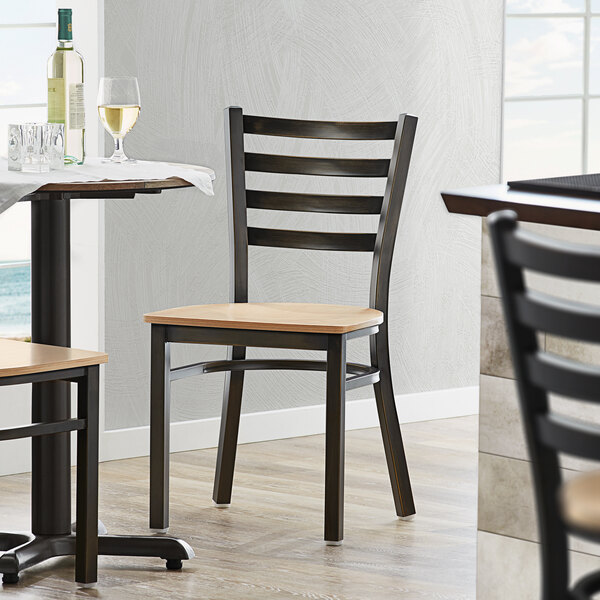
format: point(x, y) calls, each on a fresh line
point(118, 108)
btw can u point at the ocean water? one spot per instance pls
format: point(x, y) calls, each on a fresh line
point(15, 299)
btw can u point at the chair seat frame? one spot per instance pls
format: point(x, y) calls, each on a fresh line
point(20, 551)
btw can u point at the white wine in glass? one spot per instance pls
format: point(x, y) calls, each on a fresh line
point(118, 108)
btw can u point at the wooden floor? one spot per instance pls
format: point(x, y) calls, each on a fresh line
point(269, 543)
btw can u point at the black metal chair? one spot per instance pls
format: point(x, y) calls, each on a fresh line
point(310, 327)
point(21, 362)
point(571, 507)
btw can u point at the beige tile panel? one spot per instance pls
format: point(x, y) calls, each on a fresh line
point(500, 426)
point(489, 283)
point(574, 349)
point(510, 568)
point(506, 500)
point(495, 355)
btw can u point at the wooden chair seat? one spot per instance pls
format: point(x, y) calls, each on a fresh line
point(277, 316)
point(580, 501)
point(23, 358)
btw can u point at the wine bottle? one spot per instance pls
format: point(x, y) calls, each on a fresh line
point(65, 90)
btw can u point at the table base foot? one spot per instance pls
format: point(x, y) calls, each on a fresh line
point(18, 551)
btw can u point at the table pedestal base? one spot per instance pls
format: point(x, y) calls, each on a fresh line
point(18, 551)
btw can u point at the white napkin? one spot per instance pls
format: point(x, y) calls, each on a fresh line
point(15, 184)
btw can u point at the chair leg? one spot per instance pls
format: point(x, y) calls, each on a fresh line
point(390, 426)
point(160, 401)
point(86, 544)
point(554, 549)
point(230, 424)
point(335, 439)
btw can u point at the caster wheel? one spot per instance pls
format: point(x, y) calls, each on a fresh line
point(10, 578)
point(173, 564)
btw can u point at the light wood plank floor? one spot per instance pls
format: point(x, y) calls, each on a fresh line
point(269, 543)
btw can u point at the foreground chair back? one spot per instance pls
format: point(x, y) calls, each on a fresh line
point(313, 327)
point(562, 508)
point(21, 362)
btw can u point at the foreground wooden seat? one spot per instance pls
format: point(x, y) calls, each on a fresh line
point(283, 316)
point(323, 327)
point(22, 362)
point(580, 502)
point(23, 358)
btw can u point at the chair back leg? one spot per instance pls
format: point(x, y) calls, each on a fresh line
point(390, 426)
point(86, 544)
point(335, 439)
point(230, 424)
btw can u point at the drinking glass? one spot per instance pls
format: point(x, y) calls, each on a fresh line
point(35, 147)
point(118, 108)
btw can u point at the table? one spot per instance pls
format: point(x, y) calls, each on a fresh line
point(550, 209)
point(507, 542)
point(51, 324)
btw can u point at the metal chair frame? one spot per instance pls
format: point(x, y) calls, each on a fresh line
point(378, 373)
point(20, 551)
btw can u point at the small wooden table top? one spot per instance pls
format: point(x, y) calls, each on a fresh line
point(550, 209)
point(112, 186)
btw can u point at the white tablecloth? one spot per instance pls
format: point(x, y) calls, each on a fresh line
point(15, 184)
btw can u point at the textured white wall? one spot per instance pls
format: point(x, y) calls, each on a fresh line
point(340, 59)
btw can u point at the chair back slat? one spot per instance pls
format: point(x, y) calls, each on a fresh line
point(558, 316)
point(311, 240)
point(570, 436)
point(563, 376)
point(324, 130)
point(318, 203)
point(551, 257)
point(308, 165)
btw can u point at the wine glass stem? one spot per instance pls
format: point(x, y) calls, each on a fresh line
point(118, 153)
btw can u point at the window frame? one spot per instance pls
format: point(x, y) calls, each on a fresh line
point(586, 15)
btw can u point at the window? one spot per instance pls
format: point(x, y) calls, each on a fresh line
point(27, 38)
point(551, 88)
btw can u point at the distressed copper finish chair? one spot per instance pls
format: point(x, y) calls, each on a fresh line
point(301, 326)
point(21, 362)
point(571, 507)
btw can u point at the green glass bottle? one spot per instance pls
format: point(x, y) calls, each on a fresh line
point(65, 90)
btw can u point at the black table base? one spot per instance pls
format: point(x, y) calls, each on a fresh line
point(51, 471)
point(23, 550)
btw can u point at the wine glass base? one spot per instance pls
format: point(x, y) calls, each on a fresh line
point(119, 160)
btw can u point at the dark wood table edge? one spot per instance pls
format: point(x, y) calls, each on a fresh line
point(469, 202)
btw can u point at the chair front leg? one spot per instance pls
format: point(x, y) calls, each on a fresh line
point(160, 401)
point(335, 439)
point(390, 426)
point(228, 435)
point(86, 544)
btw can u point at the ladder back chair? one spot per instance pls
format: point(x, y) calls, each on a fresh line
point(571, 507)
point(22, 362)
point(240, 324)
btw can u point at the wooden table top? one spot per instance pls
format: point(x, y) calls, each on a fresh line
point(113, 186)
point(549, 209)
point(126, 184)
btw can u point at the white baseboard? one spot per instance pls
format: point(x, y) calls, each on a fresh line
point(15, 456)
point(292, 422)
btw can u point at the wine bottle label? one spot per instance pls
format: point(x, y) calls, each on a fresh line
point(56, 100)
point(76, 106)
